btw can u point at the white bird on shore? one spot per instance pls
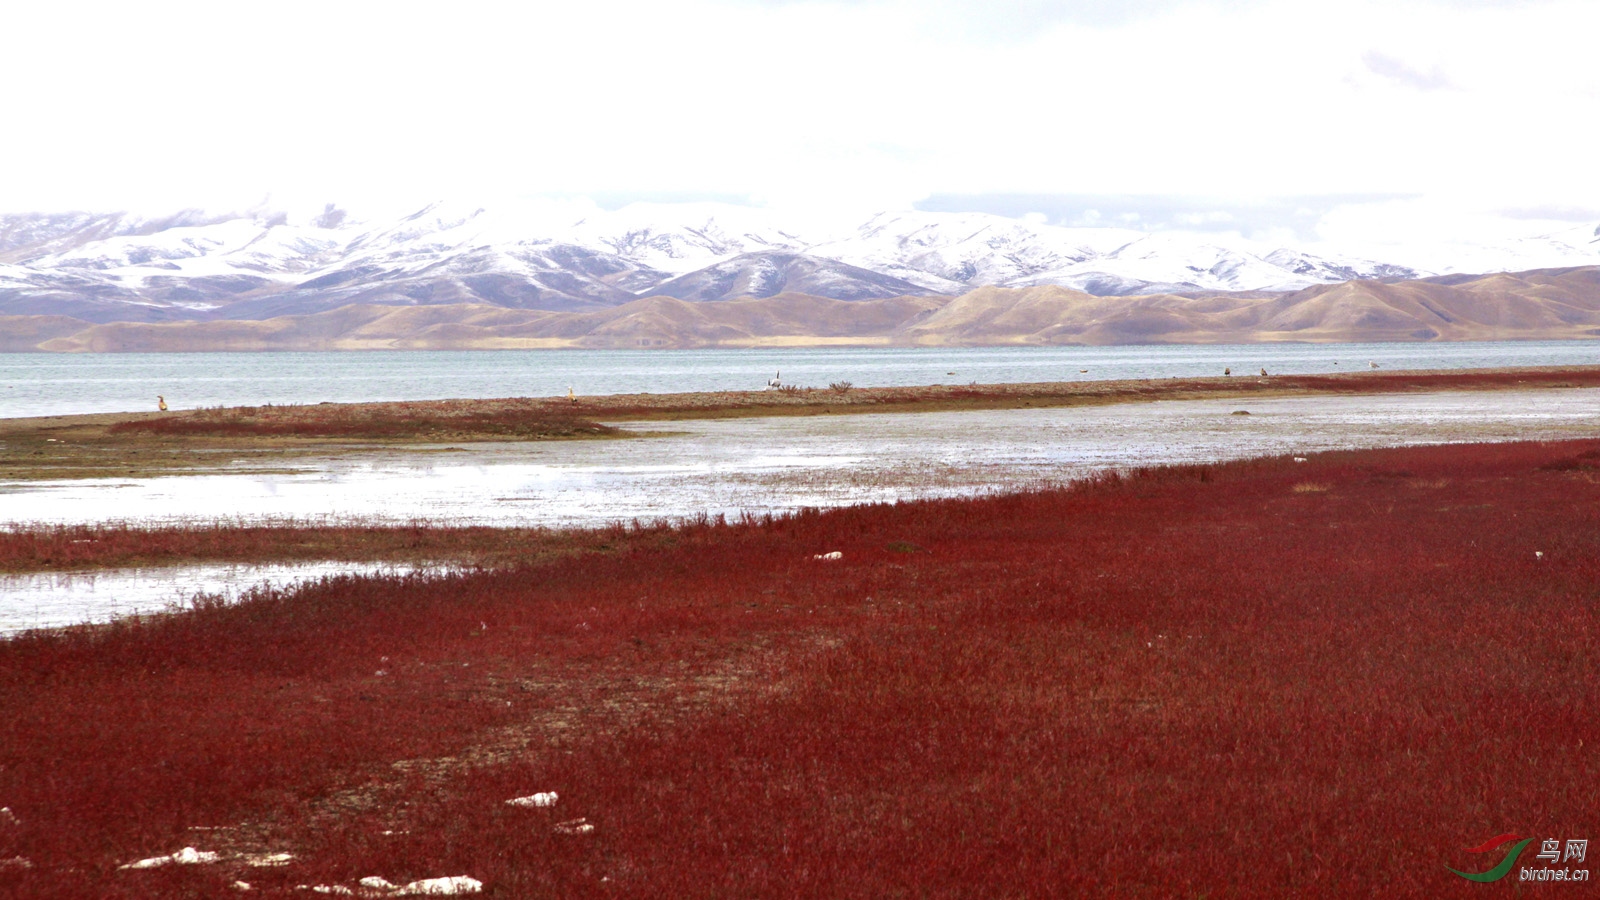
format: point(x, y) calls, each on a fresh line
point(777, 380)
point(1372, 364)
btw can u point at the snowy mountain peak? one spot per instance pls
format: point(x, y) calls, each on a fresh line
point(681, 238)
point(572, 255)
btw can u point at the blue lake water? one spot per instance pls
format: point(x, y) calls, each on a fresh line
point(45, 384)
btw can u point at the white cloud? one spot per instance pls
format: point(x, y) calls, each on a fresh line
point(1402, 73)
point(1439, 233)
point(1202, 219)
point(833, 105)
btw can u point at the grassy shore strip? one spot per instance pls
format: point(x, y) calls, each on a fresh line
point(270, 439)
point(1265, 678)
point(519, 419)
point(941, 398)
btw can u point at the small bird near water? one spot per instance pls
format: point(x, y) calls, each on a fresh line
point(161, 403)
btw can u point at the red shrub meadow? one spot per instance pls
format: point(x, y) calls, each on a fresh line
point(1265, 678)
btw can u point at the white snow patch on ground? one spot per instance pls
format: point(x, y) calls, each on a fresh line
point(188, 856)
point(377, 886)
point(262, 860)
point(455, 884)
point(574, 826)
point(547, 798)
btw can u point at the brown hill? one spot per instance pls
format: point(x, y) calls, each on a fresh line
point(21, 334)
point(794, 319)
point(1552, 303)
point(1545, 304)
point(1057, 315)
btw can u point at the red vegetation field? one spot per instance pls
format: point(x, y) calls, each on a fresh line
point(1259, 679)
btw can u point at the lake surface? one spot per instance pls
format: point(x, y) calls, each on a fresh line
point(50, 384)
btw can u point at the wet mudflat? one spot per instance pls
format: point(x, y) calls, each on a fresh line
point(777, 464)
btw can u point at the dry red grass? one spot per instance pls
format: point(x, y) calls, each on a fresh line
point(1256, 679)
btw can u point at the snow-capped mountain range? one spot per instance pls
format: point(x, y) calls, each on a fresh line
point(120, 267)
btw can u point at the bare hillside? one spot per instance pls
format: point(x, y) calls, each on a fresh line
point(1544, 304)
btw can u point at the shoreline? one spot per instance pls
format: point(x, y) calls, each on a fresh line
point(919, 398)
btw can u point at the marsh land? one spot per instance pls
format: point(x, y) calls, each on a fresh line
point(1127, 684)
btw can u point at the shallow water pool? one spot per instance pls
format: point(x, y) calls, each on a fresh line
point(54, 599)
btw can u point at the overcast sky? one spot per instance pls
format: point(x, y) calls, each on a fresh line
point(1266, 117)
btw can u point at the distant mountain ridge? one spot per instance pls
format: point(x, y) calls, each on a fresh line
point(1545, 304)
point(197, 267)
